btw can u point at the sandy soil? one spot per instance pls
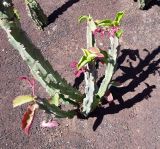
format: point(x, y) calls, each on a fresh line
point(132, 123)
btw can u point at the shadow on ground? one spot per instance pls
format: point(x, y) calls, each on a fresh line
point(150, 4)
point(147, 66)
point(56, 13)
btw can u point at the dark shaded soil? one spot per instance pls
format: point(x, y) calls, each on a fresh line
point(133, 122)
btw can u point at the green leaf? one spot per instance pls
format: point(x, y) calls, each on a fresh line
point(119, 16)
point(91, 57)
point(115, 23)
point(86, 52)
point(55, 100)
point(119, 33)
point(88, 57)
point(82, 62)
point(104, 23)
point(22, 100)
point(83, 18)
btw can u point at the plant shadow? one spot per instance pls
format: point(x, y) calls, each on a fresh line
point(150, 4)
point(56, 13)
point(137, 74)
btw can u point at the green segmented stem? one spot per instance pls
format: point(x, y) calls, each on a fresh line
point(40, 68)
point(90, 75)
point(51, 108)
point(36, 13)
point(143, 3)
point(110, 68)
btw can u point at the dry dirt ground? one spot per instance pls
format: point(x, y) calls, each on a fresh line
point(132, 123)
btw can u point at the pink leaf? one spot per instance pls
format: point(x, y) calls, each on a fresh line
point(31, 83)
point(99, 30)
point(50, 124)
point(112, 31)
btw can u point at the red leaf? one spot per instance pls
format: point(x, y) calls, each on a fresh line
point(31, 83)
point(112, 31)
point(99, 30)
point(28, 118)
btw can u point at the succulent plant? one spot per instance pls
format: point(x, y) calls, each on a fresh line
point(40, 68)
point(36, 13)
point(143, 3)
point(57, 87)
